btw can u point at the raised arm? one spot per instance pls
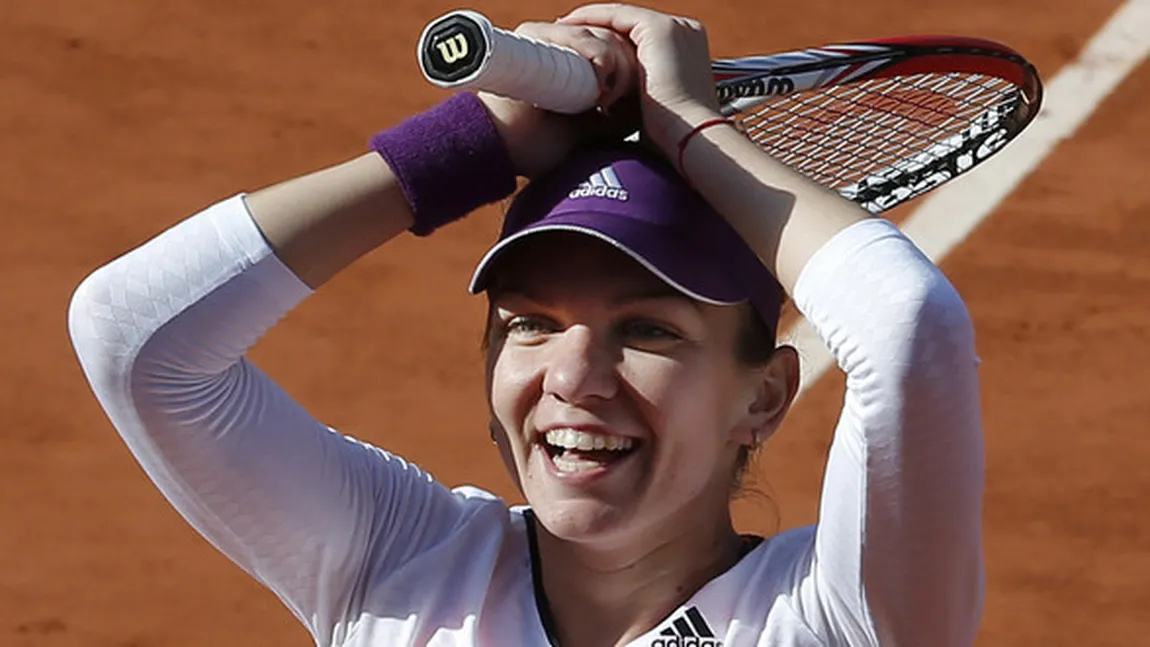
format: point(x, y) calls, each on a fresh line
point(162, 332)
point(897, 553)
point(897, 558)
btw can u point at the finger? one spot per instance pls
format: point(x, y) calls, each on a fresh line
point(623, 78)
point(604, 49)
point(617, 17)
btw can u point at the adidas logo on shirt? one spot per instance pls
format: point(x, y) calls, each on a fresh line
point(689, 629)
point(602, 184)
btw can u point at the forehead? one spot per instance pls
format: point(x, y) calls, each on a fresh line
point(559, 263)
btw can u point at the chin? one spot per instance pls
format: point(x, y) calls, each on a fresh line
point(580, 519)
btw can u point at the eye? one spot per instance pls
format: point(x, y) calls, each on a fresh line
point(643, 330)
point(528, 326)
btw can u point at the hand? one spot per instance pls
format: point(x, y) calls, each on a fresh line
point(537, 139)
point(676, 84)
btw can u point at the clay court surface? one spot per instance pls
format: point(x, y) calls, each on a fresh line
point(118, 119)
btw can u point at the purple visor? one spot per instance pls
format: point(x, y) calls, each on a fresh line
point(637, 203)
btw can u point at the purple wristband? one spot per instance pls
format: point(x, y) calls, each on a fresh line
point(450, 160)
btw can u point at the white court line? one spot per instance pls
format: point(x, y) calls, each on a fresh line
point(948, 215)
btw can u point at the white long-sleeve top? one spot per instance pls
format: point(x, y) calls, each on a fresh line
point(367, 549)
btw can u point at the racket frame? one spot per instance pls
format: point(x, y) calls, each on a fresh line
point(556, 78)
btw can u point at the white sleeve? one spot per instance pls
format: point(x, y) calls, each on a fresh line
point(897, 558)
point(161, 333)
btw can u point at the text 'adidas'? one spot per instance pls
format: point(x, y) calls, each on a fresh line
point(603, 183)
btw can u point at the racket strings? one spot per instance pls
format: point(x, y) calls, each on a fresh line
point(900, 134)
point(893, 117)
point(842, 134)
point(835, 135)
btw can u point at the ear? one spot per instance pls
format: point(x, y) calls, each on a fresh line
point(775, 387)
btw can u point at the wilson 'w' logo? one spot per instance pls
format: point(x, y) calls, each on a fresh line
point(453, 49)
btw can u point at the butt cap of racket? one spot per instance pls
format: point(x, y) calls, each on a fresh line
point(454, 48)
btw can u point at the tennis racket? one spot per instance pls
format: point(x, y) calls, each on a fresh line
point(879, 121)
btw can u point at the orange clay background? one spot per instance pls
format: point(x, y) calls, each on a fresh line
point(117, 119)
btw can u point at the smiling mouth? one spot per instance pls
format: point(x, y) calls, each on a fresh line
point(573, 450)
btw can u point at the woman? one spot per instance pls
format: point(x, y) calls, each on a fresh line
point(630, 372)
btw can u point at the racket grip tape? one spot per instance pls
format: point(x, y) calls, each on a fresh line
point(462, 50)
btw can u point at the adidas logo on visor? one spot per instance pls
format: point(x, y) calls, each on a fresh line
point(602, 184)
point(689, 629)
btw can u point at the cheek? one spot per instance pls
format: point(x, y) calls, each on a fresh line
point(512, 389)
point(686, 403)
point(688, 409)
point(674, 393)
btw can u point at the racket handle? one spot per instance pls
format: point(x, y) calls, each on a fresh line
point(462, 50)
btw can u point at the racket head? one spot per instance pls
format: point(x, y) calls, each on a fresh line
point(886, 120)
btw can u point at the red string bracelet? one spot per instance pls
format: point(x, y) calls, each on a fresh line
point(695, 131)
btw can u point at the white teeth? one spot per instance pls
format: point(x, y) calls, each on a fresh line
point(574, 464)
point(586, 441)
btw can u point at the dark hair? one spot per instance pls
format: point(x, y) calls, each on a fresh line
point(754, 346)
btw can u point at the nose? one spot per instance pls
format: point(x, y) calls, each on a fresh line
point(580, 367)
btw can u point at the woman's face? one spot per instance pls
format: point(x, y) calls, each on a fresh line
point(618, 403)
